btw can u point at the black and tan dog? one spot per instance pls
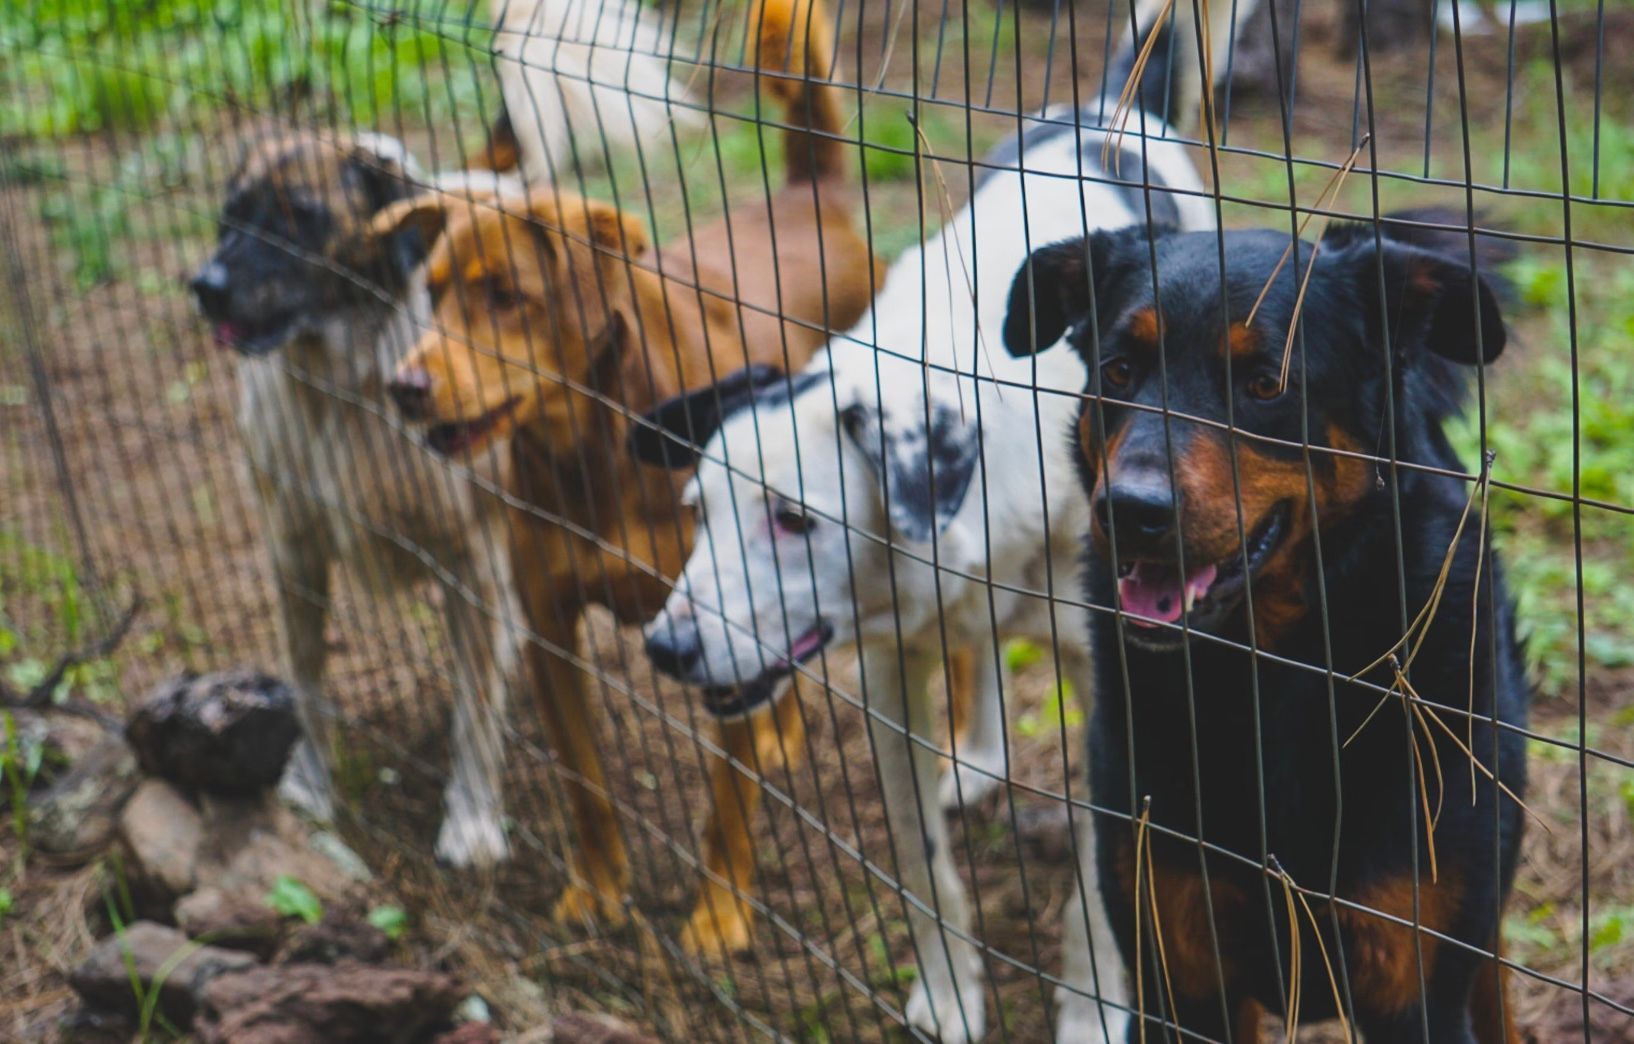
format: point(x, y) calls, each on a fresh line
point(1245, 532)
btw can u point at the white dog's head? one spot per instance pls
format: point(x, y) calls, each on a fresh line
point(795, 539)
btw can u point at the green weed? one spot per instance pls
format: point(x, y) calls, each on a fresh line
point(1530, 422)
point(290, 897)
point(391, 920)
point(76, 66)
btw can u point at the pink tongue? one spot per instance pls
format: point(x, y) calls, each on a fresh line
point(804, 645)
point(1155, 592)
point(226, 333)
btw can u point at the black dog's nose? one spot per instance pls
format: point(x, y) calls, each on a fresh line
point(1140, 508)
point(209, 285)
point(675, 648)
point(411, 389)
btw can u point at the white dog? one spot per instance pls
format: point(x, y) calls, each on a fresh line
point(912, 492)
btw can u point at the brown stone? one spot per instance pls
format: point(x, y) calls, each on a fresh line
point(336, 938)
point(163, 833)
point(230, 919)
point(298, 1003)
point(76, 818)
point(225, 733)
point(157, 957)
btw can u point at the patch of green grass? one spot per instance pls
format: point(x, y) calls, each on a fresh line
point(19, 766)
point(77, 66)
point(59, 605)
point(1530, 422)
point(290, 897)
point(391, 920)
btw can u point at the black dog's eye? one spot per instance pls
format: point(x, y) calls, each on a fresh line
point(790, 519)
point(1265, 387)
point(1117, 373)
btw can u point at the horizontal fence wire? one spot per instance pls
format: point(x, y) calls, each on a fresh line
point(331, 331)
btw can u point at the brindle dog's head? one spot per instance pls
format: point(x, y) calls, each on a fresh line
point(1193, 511)
point(296, 248)
point(532, 308)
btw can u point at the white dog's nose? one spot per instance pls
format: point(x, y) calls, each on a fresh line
point(674, 646)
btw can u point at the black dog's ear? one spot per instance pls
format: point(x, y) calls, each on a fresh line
point(1053, 289)
point(672, 434)
point(925, 472)
point(1433, 302)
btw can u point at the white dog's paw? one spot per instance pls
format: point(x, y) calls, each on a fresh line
point(306, 784)
point(972, 780)
point(467, 841)
point(954, 1013)
point(1080, 1020)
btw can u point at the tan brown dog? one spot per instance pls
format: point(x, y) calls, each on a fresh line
point(554, 325)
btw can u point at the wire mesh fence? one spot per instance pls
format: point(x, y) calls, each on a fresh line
point(641, 434)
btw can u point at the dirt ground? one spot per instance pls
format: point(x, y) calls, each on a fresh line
point(142, 427)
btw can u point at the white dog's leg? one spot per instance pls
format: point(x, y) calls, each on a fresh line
point(982, 760)
point(301, 566)
point(473, 830)
point(947, 997)
point(1091, 964)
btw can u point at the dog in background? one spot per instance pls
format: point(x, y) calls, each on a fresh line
point(1257, 657)
point(320, 309)
point(897, 496)
point(582, 78)
point(553, 323)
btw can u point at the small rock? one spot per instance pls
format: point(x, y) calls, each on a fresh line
point(251, 842)
point(474, 1009)
point(238, 922)
point(308, 1002)
point(227, 733)
point(157, 955)
point(163, 833)
point(334, 939)
point(87, 1025)
point(76, 818)
point(468, 1033)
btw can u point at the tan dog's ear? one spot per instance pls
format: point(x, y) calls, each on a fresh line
point(425, 215)
point(407, 229)
point(605, 226)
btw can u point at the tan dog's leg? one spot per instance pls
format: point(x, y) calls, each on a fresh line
point(601, 869)
point(722, 919)
point(977, 721)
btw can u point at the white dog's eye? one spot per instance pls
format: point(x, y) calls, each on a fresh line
point(791, 519)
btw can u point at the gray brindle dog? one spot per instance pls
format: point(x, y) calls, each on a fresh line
point(320, 311)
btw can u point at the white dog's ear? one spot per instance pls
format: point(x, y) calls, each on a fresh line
point(925, 470)
point(673, 433)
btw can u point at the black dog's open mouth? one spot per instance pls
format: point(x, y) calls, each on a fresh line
point(454, 436)
point(1154, 594)
point(254, 338)
point(734, 701)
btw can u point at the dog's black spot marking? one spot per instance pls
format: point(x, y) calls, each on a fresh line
point(925, 470)
point(1129, 178)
